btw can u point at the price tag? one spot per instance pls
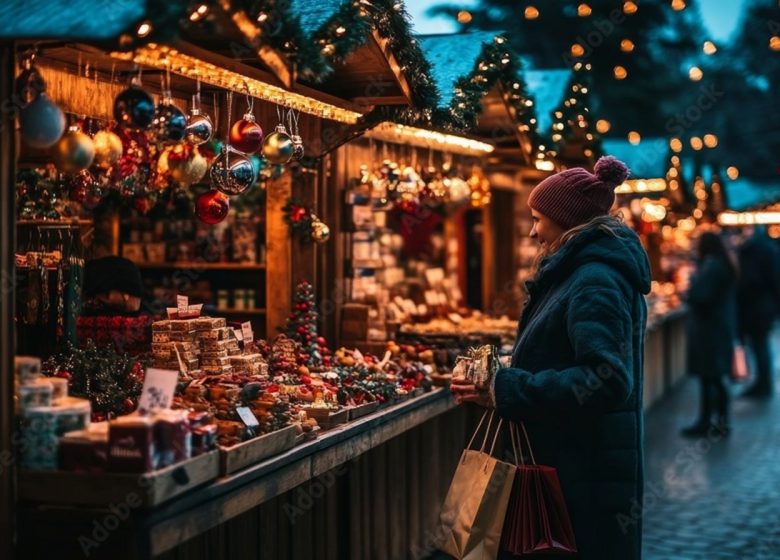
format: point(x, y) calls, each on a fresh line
point(247, 416)
point(246, 331)
point(238, 334)
point(159, 386)
point(182, 303)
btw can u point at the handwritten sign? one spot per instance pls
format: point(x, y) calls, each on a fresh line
point(159, 386)
point(247, 416)
point(246, 331)
point(182, 303)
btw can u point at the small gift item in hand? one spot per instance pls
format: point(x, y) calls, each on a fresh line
point(478, 366)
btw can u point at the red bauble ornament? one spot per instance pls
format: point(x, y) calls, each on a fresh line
point(128, 405)
point(298, 213)
point(212, 207)
point(142, 204)
point(246, 135)
point(64, 374)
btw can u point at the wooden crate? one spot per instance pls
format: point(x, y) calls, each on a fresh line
point(96, 489)
point(360, 410)
point(327, 418)
point(253, 451)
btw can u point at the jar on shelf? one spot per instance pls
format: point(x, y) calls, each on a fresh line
point(223, 299)
point(249, 299)
point(239, 299)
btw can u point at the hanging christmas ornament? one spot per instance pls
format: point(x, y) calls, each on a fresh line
point(184, 163)
point(142, 204)
point(169, 123)
point(42, 122)
point(232, 172)
point(29, 83)
point(297, 141)
point(134, 108)
point(320, 232)
point(75, 151)
point(199, 126)
point(108, 148)
point(410, 185)
point(212, 207)
point(94, 196)
point(278, 146)
point(458, 189)
point(479, 187)
point(79, 186)
point(246, 135)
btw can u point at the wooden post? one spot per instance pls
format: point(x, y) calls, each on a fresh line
point(278, 282)
point(7, 281)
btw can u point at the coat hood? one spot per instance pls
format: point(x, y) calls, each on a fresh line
point(621, 250)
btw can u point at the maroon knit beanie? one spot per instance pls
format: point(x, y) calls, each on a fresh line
point(576, 196)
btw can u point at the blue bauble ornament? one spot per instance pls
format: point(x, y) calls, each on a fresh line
point(42, 122)
point(134, 108)
point(169, 124)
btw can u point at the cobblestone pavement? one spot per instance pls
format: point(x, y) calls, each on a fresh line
point(713, 498)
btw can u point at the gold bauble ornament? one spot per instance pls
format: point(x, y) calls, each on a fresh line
point(74, 152)
point(320, 232)
point(108, 148)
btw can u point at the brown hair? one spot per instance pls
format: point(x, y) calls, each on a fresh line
point(607, 223)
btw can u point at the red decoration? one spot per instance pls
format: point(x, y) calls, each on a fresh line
point(142, 204)
point(64, 374)
point(212, 207)
point(128, 405)
point(246, 135)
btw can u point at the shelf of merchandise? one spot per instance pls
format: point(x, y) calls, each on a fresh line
point(200, 265)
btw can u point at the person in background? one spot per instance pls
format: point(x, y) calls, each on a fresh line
point(758, 304)
point(712, 331)
point(575, 378)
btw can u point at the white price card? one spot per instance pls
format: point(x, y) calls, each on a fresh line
point(238, 334)
point(159, 386)
point(247, 416)
point(246, 330)
point(182, 303)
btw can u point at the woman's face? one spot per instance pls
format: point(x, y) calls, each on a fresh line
point(545, 230)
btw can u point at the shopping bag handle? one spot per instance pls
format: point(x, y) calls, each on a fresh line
point(487, 432)
point(517, 445)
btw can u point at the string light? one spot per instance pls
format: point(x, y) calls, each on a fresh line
point(531, 12)
point(774, 43)
point(710, 140)
point(695, 73)
point(676, 145)
point(678, 5)
point(261, 17)
point(199, 13)
point(626, 45)
point(423, 138)
point(630, 7)
point(709, 47)
point(732, 172)
point(641, 186)
point(583, 10)
point(603, 126)
point(577, 50)
point(696, 143)
point(464, 17)
point(620, 73)
point(166, 58)
point(748, 218)
point(634, 137)
point(144, 29)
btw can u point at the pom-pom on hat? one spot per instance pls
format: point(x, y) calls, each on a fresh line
point(576, 196)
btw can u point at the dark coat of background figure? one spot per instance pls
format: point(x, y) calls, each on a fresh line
point(758, 291)
point(712, 327)
point(576, 381)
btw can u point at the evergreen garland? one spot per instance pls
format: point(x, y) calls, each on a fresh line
point(572, 120)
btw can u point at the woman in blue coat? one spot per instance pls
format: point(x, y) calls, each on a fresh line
point(576, 372)
point(712, 329)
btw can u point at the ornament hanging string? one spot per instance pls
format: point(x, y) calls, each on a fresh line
point(227, 135)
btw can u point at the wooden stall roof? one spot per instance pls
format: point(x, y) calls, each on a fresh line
point(458, 57)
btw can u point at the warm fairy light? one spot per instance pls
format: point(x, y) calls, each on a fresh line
point(641, 186)
point(774, 43)
point(630, 7)
point(603, 126)
point(748, 218)
point(340, 30)
point(464, 16)
point(653, 212)
point(163, 57)
point(676, 159)
point(144, 29)
point(732, 172)
point(620, 73)
point(709, 47)
point(695, 73)
point(673, 172)
point(710, 140)
point(676, 145)
point(544, 164)
point(696, 143)
point(423, 138)
point(261, 17)
point(531, 12)
point(577, 50)
point(634, 137)
point(626, 45)
point(199, 13)
point(583, 10)
point(678, 5)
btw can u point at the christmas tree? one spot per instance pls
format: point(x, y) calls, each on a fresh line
point(302, 325)
point(574, 134)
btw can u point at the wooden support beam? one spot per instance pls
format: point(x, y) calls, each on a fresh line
point(278, 281)
point(392, 62)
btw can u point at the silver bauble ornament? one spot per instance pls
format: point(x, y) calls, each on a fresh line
point(199, 128)
point(278, 146)
point(42, 122)
point(320, 232)
point(232, 172)
point(169, 123)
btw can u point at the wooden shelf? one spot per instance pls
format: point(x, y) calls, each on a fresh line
point(233, 311)
point(201, 265)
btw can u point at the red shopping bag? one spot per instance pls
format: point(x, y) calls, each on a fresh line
point(537, 522)
point(739, 366)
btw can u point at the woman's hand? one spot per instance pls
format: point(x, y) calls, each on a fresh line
point(464, 391)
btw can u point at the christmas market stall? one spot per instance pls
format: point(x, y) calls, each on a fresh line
point(186, 383)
